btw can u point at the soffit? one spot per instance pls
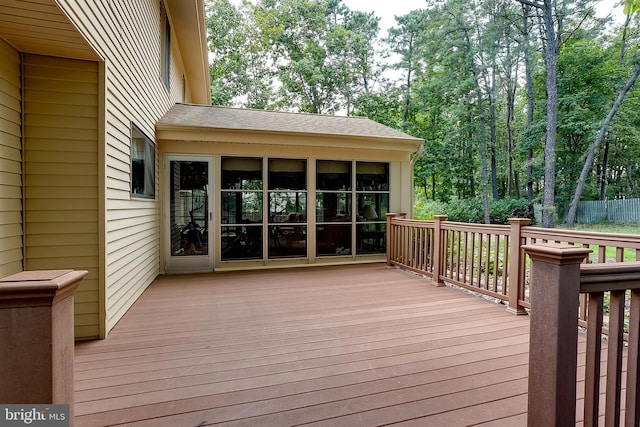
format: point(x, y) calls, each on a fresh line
point(40, 27)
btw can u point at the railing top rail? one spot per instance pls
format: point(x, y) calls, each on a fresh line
point(413, 223)
point(609, 276)
point(401, 220)
point(452, 225)
point(589, 237)
point(480, 228)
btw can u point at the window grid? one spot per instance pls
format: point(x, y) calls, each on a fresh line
point(350, 205)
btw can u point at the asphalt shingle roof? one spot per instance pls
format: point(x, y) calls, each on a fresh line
point(213, 117)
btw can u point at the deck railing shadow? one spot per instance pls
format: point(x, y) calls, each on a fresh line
point(499, 261)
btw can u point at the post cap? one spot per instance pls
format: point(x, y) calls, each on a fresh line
point(557, 253)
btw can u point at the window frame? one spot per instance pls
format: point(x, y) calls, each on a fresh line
point(165, 47)
point(371, 231)
point(237, 233)
point(148, 159)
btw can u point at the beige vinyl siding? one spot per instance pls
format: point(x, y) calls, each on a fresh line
point(61, 175)
point(10, 162)
point(127, 35)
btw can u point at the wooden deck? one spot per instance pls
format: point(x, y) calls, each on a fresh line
point(338, 346)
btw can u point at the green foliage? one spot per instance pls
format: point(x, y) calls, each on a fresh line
point(470, 210)
point(306, 55)
point(502, 210)
point(426, 209)
point(465, 210)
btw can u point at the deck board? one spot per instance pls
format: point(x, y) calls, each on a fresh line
point(350, 345)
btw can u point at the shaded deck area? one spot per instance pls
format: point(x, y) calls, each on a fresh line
point(352, 345)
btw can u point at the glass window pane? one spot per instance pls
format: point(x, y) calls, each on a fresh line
point(241, 242)
point(333, 239)
point(242, 173)
point(373, 206)
point(333, 207)
point(289, 207)
point(287, 241)
point(371, 238)
point(372, 176)
point(143, 164)
point(188, 207)
point(333, 175)
point(287, 174)
point(241, 207)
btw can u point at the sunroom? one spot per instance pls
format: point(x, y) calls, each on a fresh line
point(252, 189)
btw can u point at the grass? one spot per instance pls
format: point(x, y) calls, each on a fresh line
point(629, 254)
point(609, 228)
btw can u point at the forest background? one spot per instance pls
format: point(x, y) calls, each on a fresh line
point(523, 101)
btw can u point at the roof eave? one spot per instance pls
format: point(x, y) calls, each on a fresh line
point(217, 134)
point(189, 24)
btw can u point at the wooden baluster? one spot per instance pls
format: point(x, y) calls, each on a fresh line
point(438, 250)
point(614, 358)
point(516, 265)
point(632, 407)
point(391, 239)
point(593, 357)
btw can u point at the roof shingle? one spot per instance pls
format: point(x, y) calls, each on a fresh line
point(213, 117)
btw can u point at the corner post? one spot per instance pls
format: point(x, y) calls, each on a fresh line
point(516, 263)
point(438, 250)
point(555, 286)
point(391, 239)
point(37, 347)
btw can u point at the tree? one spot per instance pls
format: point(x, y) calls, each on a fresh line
point(363, 36)
point(320, 50)
point(550, 54)
point(631, 7)
point(474, 81)
point(228, 65)
point(403, 41)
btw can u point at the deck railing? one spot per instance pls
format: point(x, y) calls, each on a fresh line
point(593, 275)
point(489, 259)
point(559, 279)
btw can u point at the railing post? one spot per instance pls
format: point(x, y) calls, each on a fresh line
point(516, 262)
point(391, 239)
point(37, 344)
point(555, 287)
point(438, 250)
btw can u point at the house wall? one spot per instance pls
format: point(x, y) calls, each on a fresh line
point(10, 162)
point(127, 35)
point(61, 175)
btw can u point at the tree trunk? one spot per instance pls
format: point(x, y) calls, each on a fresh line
point(588, 163)
point(549, 192)
point(492, 135)
point(433, 186)
point(623, 45)
point(407, 102)
point(509, 122)
point(482, 129)
point(530, 101)
point(603, 172)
